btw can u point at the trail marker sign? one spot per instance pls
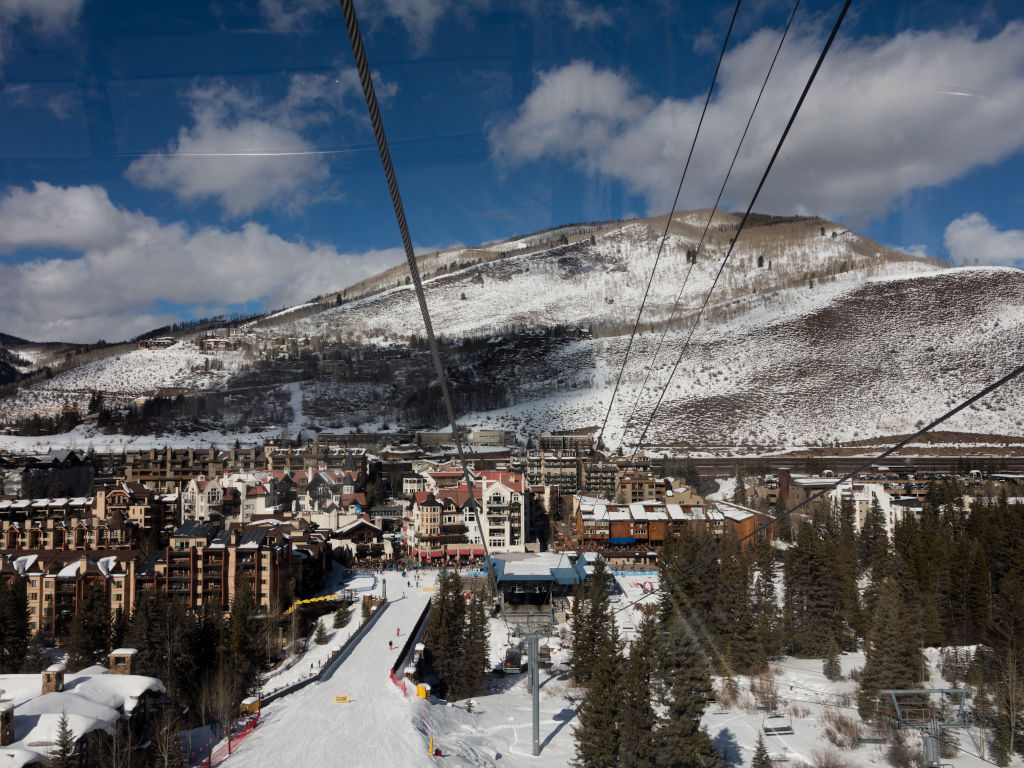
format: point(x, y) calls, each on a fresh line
point(340, 698)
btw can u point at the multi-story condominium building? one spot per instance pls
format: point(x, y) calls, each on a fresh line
point(115, 518)
point(75, 534)
point(56, 582)
point(203, 567)
point(632, 533)
point(561, 468)
point(448, 523)
point(257, 494)
point(578, 440)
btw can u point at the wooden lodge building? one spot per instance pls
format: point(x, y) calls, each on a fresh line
point(632, 534)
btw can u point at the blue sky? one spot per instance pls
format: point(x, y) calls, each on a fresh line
point(170, 160)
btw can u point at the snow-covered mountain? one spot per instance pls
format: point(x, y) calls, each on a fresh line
point(813, 334)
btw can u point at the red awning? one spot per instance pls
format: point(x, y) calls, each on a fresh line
point(465, 552)
point(422, 554)
point(478, 553)
point(436, 553)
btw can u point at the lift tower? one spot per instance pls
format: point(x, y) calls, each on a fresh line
point(920, 710)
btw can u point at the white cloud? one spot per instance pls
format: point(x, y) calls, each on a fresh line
point(247, 153)
point(48, 17)
point(884, 117)
point(236, 153)
point(972, 239)
point(126, 261)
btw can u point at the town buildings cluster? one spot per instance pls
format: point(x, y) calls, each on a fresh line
point(193, 524)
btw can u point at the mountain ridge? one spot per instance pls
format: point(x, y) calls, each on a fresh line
point(534, 338)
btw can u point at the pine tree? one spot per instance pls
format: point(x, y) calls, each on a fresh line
point(831, 668)
point(685, 677)
point(587, 620)
point(767, 619)
point(63, 753)
point(761, 757)
point(477, 648)
point(983, 714)
point(244, 639)
point(14, 626)
point(1006, 638)
point(118, 628)
point(447, 633)
point(637, 719)
point(321, 634)
point(892, 650)
point(733, 626)
point(144, 635)
point(33, 661)
point(341, 617)
point(597, 734)
point(582, 643)
point(739, 495)
point(872, 533)
point(89, 636)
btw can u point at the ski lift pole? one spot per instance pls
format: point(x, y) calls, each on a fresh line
point(535, 689)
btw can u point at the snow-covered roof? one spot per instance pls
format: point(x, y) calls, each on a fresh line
point(22, 564)
point(92, 699)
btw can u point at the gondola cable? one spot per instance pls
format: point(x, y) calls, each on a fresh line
point(739, 229)
point(707, 227)
point(668, 223)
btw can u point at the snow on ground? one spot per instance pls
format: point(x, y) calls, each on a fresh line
point(382, 727)
point(140, 372)
point(726, 489)
point(308, 663)
point(377, 727)
point(811, 700)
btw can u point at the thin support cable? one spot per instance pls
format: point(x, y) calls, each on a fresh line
point(743, 221)
point(668, 222)
point(707, 227)
point(365, 78)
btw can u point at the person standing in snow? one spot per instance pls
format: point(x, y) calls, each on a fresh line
point(398, 631)
point(390, 645)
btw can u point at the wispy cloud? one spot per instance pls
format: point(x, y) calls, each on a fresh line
point(47, 17)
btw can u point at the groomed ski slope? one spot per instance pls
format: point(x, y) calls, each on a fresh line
point(382, 727)
point(375, 729)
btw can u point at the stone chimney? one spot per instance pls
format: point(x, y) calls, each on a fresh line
point(122, 661)
point(53, 678)
point(6, 724)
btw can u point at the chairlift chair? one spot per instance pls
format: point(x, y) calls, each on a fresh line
point(874, 732)
point(777, 724)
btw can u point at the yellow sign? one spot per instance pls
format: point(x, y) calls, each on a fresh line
point(340, 699)
point(429, 589)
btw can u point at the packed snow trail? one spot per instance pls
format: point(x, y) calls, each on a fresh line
point(376, 727)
